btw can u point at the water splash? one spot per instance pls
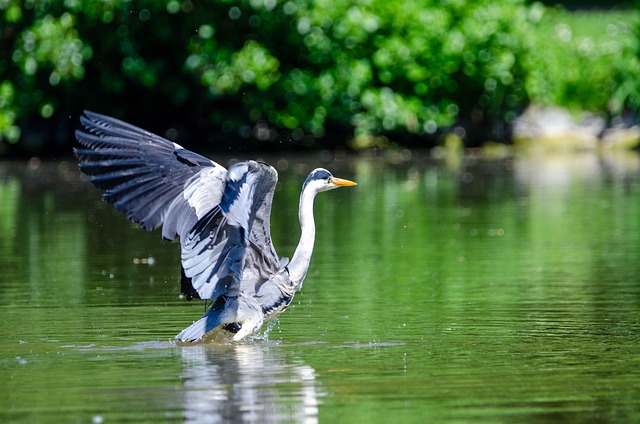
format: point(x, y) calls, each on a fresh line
point(264, 336)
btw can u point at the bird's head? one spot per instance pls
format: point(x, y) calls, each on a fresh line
point(321, 180)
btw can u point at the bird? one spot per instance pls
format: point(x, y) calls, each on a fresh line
point(221, 218)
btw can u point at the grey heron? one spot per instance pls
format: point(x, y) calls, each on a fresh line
point(221, 218)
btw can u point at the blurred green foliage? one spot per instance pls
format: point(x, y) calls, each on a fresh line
point(298, 70)
point(587, 61)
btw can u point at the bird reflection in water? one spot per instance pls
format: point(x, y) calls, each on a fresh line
point(244, 382)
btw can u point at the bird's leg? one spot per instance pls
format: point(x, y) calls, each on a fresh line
point(232, 327)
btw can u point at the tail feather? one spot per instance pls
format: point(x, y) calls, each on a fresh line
point(196, 331)
point(227, 320)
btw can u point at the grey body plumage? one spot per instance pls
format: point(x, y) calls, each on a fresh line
point(221, 218)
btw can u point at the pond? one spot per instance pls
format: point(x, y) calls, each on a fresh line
point(452, 290)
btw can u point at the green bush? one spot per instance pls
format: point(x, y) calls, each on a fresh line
point(367, 67)
point(417, 66)
point(299, 70)
point(44, 53)
point(586, 61)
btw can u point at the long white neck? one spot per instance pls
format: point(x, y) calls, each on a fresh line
point(302, 256)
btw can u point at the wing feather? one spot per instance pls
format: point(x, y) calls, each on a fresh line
point(231, 246)
point(222, 218)
point(142, 174)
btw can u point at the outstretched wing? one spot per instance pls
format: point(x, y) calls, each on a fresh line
point(222, 218)
point(149, 178)
point(230, 248)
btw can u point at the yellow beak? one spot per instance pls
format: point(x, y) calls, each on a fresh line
point(343, 183)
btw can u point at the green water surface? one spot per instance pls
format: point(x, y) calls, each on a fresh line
point(439, 291)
